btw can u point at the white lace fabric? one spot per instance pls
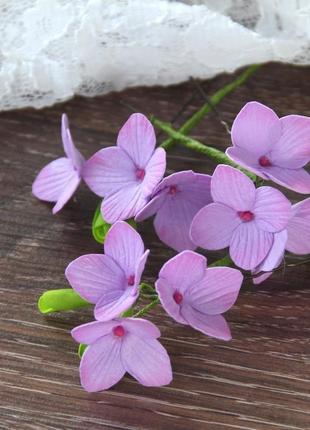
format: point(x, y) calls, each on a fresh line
point(53, 49)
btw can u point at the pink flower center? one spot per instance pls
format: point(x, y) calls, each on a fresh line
point(178, 297)
point(131, 280)
point(140, 173)
point(246, 216)
point(173, 190)
point(264, 161)
point(119, 331)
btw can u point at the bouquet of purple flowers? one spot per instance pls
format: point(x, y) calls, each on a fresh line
point(232, 208)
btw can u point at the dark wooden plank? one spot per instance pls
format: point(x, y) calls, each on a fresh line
point(260, 380)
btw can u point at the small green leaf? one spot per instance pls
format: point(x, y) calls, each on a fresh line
point(64, 299)
point(81, 349)
point(225, 261)
point(100, 227)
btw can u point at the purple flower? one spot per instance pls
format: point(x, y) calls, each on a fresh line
point(242, 217)
point(295, 238)
point(111, 281)
point(197, 296)
point(127, 174)
point(273, 148)
point(58, 181)
point(120, 346)
point(175, 201)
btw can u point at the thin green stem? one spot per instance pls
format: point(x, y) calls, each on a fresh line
point(64, 299)
point(215, 99)
point(147, 288)
point(147, 308)
point(212, 153)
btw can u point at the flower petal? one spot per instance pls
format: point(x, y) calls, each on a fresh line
point(299, 229)
point(249, 245)
point(90, 332)
point(183, 270)
point(256, 128)
point(276, 253)
point(154, 172)
point(140, 267)
point(114, 302)
point(297, 180)
point(151, 208)
point(137, 138)
point(67, 193)
point(124, 244)
point(173, 220)
point(211, 325)
point(53, 179)
point(123, 204)
point(261, 278)
point(232, 188)
point(146, 360)
point(94, 274)
point(108, 171)
point(217, 291)
point(272, 209)
point(101, 365)
point(213, 226)
point(141, 327)
point(292, 150)
point(72, 153)
point(246, 159)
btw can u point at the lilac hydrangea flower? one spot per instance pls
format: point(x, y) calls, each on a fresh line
point(242, 218)
point(195, 295)
point(58, 181)
point(120, 346)
point(175, 201)
point(273, 148)
point(127, 174)
point(295, 238)
point(111, 281)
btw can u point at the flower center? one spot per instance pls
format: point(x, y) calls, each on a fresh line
point(178, 297)
point(246, 216)
point(173, 190)
point(119, 331)
point(140, 173)
point(264, 161)
point(131, 280)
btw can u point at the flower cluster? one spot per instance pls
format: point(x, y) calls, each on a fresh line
point(256, 222)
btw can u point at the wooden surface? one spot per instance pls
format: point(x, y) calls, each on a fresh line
point(260, 380)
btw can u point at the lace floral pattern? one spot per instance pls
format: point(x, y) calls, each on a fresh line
point(53, 50)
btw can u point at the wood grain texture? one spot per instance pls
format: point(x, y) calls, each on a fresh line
point(259, 380)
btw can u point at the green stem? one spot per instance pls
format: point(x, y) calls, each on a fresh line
point(215, 99)
point(147, 308)
point(147, 288)
point(213, 153)
point(60, 300)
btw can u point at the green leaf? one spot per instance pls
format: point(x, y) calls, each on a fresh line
point(100, 227)
point(225, 261)
point(64, 299)
point(81, 349)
